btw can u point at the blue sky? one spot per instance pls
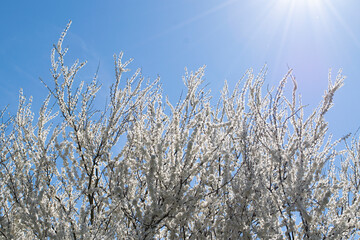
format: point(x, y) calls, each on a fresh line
point(163, 37)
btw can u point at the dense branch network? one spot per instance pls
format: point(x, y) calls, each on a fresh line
point(251, 166)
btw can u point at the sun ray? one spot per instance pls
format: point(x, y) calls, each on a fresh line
point(342, 22)
point(189, 21)
point(288, 21)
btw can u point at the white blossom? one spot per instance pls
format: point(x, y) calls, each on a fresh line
point(251, 166)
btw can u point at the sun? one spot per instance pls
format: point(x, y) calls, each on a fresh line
point(302, 2)
point(302, 5)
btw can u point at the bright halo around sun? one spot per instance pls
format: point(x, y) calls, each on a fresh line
point(302, 5)
point(314, 14)
point(318, 15)
point(301, 2)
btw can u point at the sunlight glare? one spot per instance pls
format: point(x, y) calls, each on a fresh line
point(308, 4)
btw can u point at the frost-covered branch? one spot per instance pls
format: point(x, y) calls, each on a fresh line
point(251, 166)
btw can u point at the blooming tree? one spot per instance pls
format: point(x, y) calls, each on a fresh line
point(251, 166)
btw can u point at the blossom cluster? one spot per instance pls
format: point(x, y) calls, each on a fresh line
point(251, 166)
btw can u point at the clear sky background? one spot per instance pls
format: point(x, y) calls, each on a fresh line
point(165, 36)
